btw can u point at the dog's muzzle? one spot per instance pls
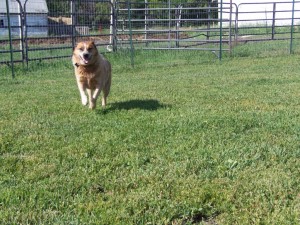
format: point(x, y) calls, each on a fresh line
point(85, 58)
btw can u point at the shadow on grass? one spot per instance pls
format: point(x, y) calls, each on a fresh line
point(147, 104)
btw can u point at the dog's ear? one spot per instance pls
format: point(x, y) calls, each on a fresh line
point(93, 43)
point(75, 46)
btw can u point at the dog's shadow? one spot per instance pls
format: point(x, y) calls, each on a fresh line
point(148, 104)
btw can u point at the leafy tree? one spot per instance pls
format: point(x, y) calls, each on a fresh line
point(96, 13)
point(58, 8)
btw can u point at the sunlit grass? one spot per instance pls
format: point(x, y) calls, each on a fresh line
point(184, 139)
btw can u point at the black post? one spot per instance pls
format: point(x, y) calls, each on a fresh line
point(26, 34)
point(130, 33)
point(10, 40)
point(73, 18)
point(273, 20)
point(208, 21)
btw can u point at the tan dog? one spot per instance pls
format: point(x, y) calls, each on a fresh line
point(93, 73)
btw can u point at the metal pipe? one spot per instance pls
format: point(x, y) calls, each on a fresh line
point(26, 34)
point(130, 32)
point(173, 8)
point(146, 21)
point(292, 27)
point(73, 21)
point(169, 35)
point(273, 20)
point(230, 24)
point(21, 28)
point(111, 26)
point(10, 40)
point(221, 30)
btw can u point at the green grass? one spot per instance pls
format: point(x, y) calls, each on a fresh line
point(184, 140)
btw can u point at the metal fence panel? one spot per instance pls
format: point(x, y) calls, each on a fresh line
point(43, 29)
point(166, 25)
point(268, 25)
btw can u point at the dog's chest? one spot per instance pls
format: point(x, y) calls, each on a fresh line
point(87, 76)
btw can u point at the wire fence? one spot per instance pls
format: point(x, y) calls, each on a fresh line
point(33, 30)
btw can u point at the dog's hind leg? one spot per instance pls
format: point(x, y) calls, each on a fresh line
point(104, 101)
point(105, 94)
point(106, 90)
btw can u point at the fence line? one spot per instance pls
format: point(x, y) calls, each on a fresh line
point(39, 33)
point(33, 30)
point(172, 31)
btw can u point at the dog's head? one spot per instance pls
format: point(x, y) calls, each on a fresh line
point(85, 52)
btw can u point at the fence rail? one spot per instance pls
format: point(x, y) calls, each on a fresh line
point(39, 29)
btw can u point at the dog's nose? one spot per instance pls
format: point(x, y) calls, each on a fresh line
point(86, 55)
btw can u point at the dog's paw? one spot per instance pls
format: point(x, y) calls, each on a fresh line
point(92, 104)
point(84, 100)
point(103, 102)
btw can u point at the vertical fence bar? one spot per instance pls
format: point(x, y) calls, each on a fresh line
point(273, 20)
point(10, 40)
point(114, 21)
point(73, 21)
point(208, 20)
point(26, 34)
point(169, 35)
point(178, 24)
point(221, 30)
point(236, 24)
point(146, 22)
point(230, 24)
point(21, 26)
point(130, 33)
point(111, 26)
point(20, 21)
point(292, 28)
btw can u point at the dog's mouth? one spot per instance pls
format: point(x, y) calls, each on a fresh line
point(85, 58)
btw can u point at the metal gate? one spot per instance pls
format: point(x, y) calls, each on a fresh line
point(42, 30)
point(36, 29)
point(174, 26)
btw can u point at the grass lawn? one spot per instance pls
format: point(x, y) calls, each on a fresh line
point(183, 140)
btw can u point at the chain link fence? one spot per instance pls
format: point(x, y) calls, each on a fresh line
point(33, 30)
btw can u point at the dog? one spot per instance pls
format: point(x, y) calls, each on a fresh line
point(92, 72)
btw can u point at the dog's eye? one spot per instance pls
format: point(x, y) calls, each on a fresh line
point(90, 49)
point(81, 49)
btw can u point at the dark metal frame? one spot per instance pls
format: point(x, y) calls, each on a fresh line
point(123, 14)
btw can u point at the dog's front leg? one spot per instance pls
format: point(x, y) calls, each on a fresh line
point(82, 89)
point(96, 94)
point(92, 100)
